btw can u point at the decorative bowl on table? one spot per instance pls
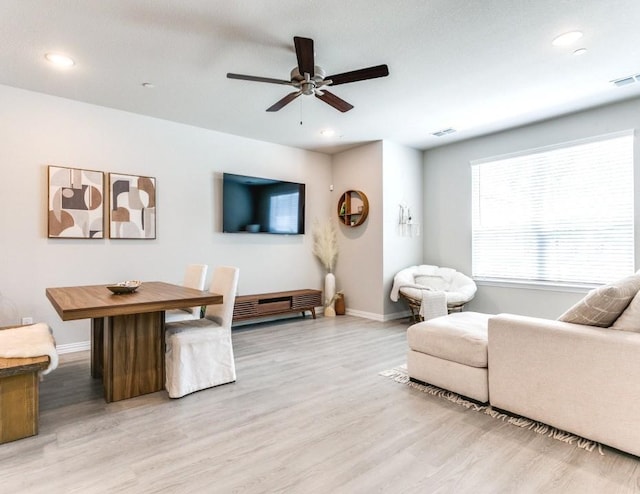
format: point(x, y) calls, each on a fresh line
point(124, 287)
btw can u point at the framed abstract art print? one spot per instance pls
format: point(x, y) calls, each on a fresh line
point(132, 208)
point(75, 203)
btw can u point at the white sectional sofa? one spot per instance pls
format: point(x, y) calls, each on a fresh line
point(582, 379)
point(580, 373)
point(451, 352)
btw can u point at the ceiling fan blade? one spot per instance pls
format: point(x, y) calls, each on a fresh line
point(359, 75)
point(258, 79)
point(304, 52)
point(333, 100)
point(284, 101)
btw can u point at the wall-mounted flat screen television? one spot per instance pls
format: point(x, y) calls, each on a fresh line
point(262, 205)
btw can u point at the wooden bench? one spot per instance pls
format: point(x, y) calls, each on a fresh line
point(19, 392)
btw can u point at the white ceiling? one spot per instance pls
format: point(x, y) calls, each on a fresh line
point(476, 66)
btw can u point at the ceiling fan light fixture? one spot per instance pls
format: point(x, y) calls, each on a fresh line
point(59, 60)
point(566, 39)
point(307, 88)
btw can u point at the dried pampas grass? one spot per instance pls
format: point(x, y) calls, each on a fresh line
point(325, 243)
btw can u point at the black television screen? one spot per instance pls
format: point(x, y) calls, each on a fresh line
point(262, 205)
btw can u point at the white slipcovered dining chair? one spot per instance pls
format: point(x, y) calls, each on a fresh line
point(194, 277)
point(199, 353)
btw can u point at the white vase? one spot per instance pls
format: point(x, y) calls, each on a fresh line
point(329, 293)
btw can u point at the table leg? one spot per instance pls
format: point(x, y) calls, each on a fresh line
point(133, 355)
point(97, 347)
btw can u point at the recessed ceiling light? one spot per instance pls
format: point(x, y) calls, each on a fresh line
point(567, 38)
point(59, 60)
point(148, 84)
point(580, 51)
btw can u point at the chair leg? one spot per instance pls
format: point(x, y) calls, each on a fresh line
point(455, 308)
point(415, 314)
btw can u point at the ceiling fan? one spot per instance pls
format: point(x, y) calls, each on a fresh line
point(309, 78)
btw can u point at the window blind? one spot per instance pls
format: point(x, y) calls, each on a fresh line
point(559, 215)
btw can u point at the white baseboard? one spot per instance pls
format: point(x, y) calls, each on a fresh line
point(80, 346)
point(397, 315)
point(366, 315)
point(378, 317)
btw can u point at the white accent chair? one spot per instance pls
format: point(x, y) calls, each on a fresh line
point(199, 353)
point(194, 277)
point(432, 291)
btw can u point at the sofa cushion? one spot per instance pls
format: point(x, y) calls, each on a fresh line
point(603, 305)
point(629, 320)
point(459, 337)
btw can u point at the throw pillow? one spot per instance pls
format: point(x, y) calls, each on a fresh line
point(602, 306)
point(629, 320)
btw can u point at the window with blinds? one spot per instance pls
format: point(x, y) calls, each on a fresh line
point(557, 215)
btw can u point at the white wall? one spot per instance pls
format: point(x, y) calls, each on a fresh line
point(447, 207)
point(37, 130)
point(372, 253)
point(359, 267)
point(402, 173)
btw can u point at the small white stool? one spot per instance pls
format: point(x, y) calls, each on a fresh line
point(451, 352)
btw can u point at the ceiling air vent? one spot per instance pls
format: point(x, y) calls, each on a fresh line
point(443, 132)
point(623, 81)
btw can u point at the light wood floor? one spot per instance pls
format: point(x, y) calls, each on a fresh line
point(308, 414)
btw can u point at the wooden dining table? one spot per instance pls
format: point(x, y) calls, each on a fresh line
point(127, 331)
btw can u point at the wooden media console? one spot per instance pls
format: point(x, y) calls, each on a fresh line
point(268, 304)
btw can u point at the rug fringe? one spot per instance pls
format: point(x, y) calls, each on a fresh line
point(399, 375)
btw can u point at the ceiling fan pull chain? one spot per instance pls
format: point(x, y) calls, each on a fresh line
point(300, 112)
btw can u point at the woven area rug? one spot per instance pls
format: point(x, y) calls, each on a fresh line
point(399, 374)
